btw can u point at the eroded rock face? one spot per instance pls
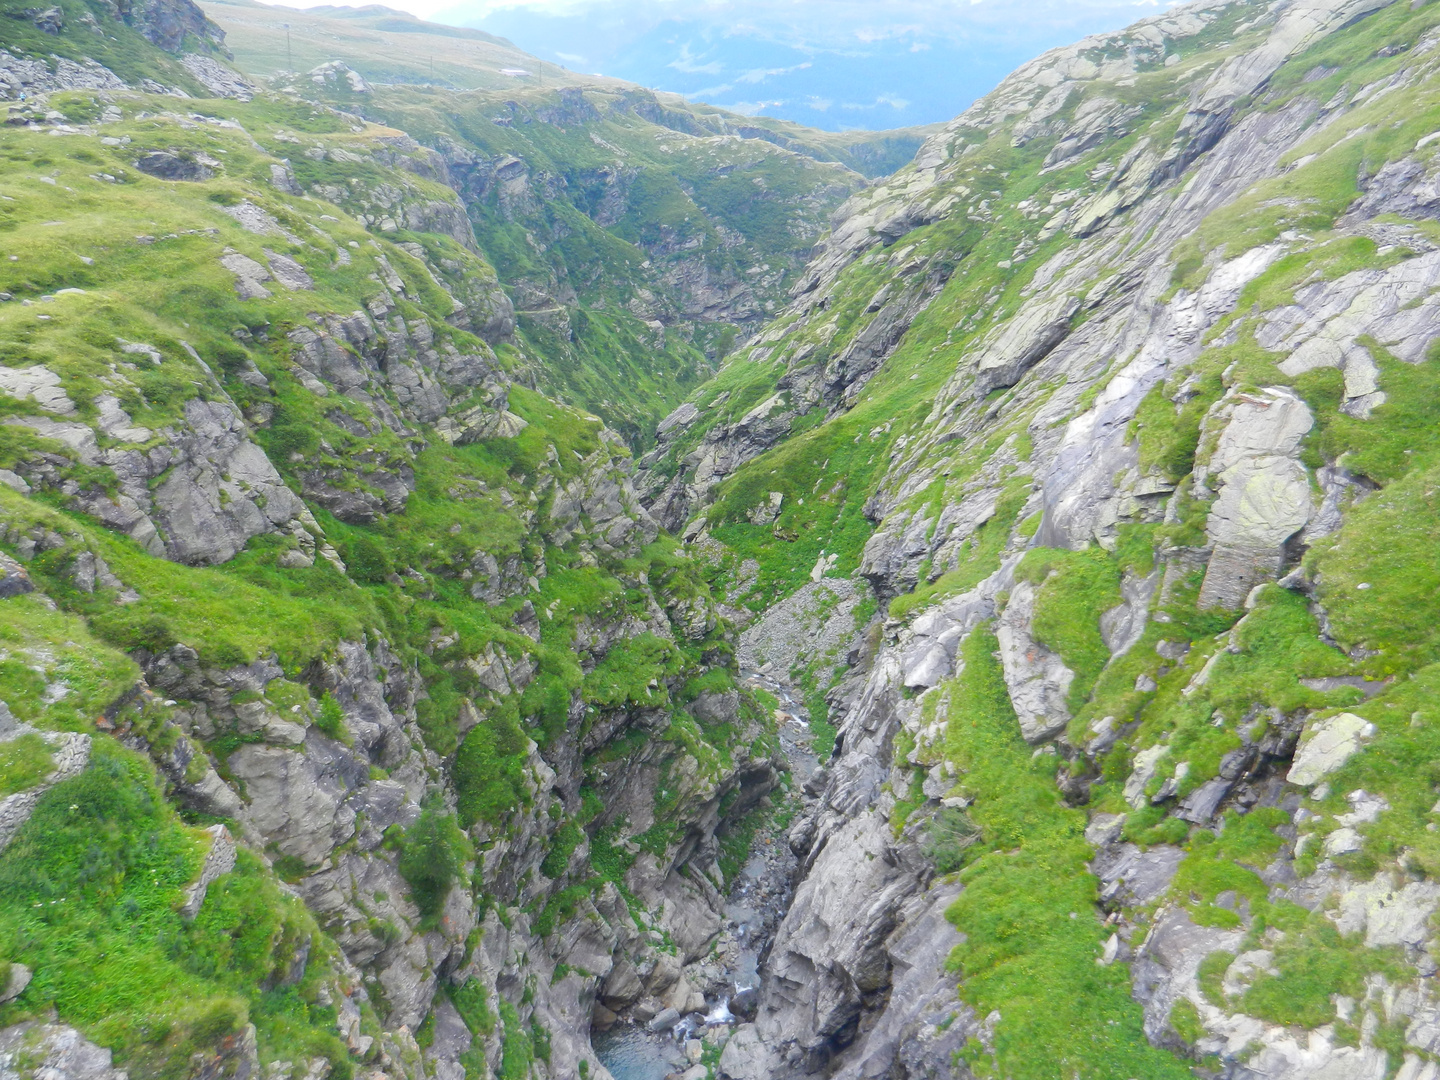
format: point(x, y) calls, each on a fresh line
point(831, 954)
point(217, 78)
point(221, 491)
point(856, 928)
point(295, 802)
point(1037, 678)
point(167, 23)
point(1089, 336)
point(20, 75)
point(217, 488)
point(1264, 492)
point(314, 800)
point(32, 1051)
point(856, 981)
point(921, 1029)
point(787, 638)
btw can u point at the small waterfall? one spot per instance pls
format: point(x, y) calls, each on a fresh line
point(755, 903)
point(721, 1013)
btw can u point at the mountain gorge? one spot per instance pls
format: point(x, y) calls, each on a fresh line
point(495, 575)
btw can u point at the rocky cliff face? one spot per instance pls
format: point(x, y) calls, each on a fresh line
point(1081, 495)
point(407, 738)
point(1091, 399)
point(634, 238)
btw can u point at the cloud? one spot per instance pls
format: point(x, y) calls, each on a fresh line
point(822, 23)
point(872, 34)
point(570, 58)
point(894, 101)
point(891, 62)
point(751, 108)
point(758, 75)
point(819, 104)
point(686, 62)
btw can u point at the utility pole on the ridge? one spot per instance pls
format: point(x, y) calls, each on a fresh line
point(289, 59)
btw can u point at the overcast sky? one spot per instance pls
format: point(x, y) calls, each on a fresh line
point(828, 63)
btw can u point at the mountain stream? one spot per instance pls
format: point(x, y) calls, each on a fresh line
point(756, 902)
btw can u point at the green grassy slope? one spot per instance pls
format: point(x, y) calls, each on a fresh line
point(120, 47)
point(635, 244)
point(382, 44)
point(95, 255)
point(1361, 607)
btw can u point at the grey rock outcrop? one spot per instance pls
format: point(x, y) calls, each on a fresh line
point(14, 579)
point(167, 23)
point(295, 800)
point(169, 165)
point(35, 1051)
point(1264, 495)
point(221, 490)
point(1037, 678)
point(220, 80)
point(1331, 743)
point(250, 276)
point(337, 73)
point(23, 75)
point(289, 273)
point(924, 1024)
point(204, 484)
point(16, 982)
point(830, 955)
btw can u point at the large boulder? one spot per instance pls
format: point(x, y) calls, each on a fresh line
point(1264, 496)
point(167, 23)
point(1037, 678)
point(31, 1051)
point(173, 165)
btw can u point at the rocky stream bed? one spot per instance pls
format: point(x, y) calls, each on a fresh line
point(670, 1046)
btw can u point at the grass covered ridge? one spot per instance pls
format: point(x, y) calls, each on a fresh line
point(89, 891)
point(1028, 908)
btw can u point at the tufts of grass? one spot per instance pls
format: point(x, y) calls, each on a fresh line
point(1075, 589)
point(1315, 963)
point(1378, 576)
point(1393, 441)
point(54, 673)
point(1028, 909)
point(433, 854)
point(24, 762)
point(89, 889)
point(489, 769)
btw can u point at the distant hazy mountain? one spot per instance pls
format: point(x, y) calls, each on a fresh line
point(833, 64)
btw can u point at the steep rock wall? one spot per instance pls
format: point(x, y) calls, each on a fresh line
point(1088, 452)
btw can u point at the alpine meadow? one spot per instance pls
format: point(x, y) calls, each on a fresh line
point(512, 575)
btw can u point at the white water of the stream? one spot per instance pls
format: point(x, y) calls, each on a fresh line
point(754, 906)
